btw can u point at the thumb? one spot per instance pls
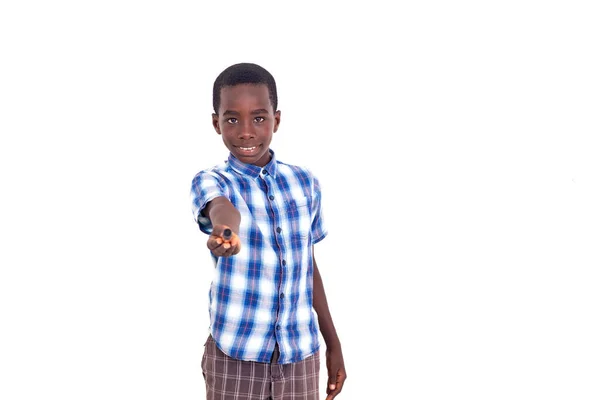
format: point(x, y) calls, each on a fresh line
point(332, 380)
point(219, 230)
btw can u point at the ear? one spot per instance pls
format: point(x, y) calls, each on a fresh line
point(215, 121)
point(277, 120)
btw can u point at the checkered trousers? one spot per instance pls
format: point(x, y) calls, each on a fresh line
point(229, 379)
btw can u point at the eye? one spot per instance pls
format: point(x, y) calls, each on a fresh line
point(232, 120)
point(259, 119)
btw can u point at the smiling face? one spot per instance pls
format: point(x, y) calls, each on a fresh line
point(246, 121)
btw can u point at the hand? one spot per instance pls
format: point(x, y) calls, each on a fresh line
point(336, 372)
point(221, 244)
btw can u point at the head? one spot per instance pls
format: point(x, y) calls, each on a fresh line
point(246, 115)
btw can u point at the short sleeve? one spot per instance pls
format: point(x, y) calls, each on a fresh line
point(206, 186)
point(318, 228)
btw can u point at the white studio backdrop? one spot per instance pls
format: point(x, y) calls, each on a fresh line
point(456, 144)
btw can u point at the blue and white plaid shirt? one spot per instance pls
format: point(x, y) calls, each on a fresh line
point(263, 295)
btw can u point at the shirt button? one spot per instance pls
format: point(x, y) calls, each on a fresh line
point(271, 197)
point(264, 172)
point(283, 262)
point(281, 296)
point(278, 327)
point(278, 230)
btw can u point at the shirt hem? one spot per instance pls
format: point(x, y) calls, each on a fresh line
point(296, 360)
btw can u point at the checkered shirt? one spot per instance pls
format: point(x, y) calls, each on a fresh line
point(263, 295)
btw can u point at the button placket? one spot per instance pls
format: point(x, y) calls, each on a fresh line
point(279, 241)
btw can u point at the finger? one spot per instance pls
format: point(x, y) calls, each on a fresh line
point(224, 248)
point(217, 247)
point(227, 252)
point(218, 252)
point(235, 244)
point(338, 388)
point(216, 240)
point(331, 384)
point(334, 393)
point(231, 250)
point(339, 384)
point(211, 244)
point(333, 389)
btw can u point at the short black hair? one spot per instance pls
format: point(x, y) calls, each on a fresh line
point(244, 73)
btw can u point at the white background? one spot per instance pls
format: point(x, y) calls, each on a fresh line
point(456, 147)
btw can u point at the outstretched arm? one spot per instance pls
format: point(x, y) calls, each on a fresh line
point(335, 359)
point(223, 215)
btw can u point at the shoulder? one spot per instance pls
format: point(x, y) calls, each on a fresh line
point(297, 171)
point(212, 180)
point(217, 172)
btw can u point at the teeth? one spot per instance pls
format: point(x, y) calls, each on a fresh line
point(247, 148)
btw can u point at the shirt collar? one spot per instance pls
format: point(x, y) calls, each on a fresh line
point(251, 170)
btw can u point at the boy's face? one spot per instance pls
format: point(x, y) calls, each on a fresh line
point(246, 121)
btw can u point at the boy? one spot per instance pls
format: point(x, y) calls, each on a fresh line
point(263, 217)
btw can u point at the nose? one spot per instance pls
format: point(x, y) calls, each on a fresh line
point(247, 130)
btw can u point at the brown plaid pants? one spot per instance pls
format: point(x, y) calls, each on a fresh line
point(230, 379)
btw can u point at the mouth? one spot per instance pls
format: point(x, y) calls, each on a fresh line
point(248, 149)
